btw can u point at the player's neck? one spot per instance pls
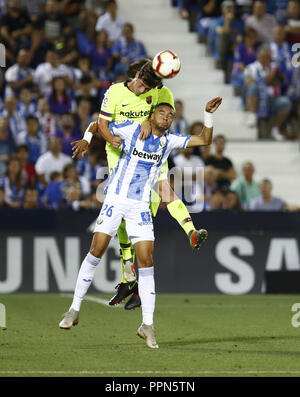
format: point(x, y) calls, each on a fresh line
point(157, 131)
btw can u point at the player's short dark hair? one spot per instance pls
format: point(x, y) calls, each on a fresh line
point(148, 76)
point(165, 104)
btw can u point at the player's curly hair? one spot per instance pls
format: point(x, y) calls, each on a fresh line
point(144, 66)
point(136, 67)
point(148, 76)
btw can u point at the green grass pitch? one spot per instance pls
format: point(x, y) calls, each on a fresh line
point(198, 335)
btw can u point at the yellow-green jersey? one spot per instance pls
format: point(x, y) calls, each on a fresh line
point(121, 104)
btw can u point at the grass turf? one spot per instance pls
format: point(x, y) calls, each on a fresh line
point(198, 335)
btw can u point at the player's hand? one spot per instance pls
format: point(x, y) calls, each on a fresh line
point(80, 149)
point(213, 105)
point(145, 130)
point(116, 142)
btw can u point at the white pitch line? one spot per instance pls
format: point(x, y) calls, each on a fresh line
point(92, 299)
point(148, 372)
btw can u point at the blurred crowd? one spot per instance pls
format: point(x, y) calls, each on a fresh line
point(255, 43)
point(210, 181)
point(61, 56)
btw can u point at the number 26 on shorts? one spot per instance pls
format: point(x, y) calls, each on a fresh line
point(107, 210)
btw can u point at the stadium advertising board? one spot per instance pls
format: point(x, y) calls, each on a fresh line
point(47, 258)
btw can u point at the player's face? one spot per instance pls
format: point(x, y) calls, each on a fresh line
point(139, 87)
point(163, 117)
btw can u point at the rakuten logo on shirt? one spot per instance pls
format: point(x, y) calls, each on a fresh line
point(146, 156)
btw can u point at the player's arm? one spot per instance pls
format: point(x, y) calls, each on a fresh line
point(106, 134)
point(80, 148)
point(206, 135)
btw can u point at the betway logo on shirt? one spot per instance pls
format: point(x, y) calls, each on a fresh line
point(146, 156)
point(134, 115)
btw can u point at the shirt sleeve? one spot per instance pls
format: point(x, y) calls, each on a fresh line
point(178, 141)
point(108, 105)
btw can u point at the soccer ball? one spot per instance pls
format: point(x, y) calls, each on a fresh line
point(166, 64)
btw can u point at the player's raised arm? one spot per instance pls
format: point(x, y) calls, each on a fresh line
point(206, 135)
point(80, 148)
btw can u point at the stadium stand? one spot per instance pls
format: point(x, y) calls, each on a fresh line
point(63, 55)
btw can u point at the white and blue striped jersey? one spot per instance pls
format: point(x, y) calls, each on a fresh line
point(140, 161)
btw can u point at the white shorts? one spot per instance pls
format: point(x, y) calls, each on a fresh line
point(137, 216)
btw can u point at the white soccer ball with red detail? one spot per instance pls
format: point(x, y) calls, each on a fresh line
point(166, 64)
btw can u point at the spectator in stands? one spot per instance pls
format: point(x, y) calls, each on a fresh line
point(244, 54)
point(97, 6)
point(16, 120)
point(280, 55)
point(16, 28)
point(210, 185)
point(262, 22)
point(49, 69)
point(71, 177)
point(73, 199)
point(52, 160)
point(68, 133)
point(27, 104)
point(231, 202)
point(34, 138)
point(205, 152)
point(7, 144)
point(53, 193)
point(59, 100)
point(83, 114)
point(19, 75)
point(192, 168)
point(14, 184)
point(293, 93)
point(100, 55)
point(291, 22)
point(89, 167)
point(196, 129)
point(111, 22)
point(180, 124)
point(52, 24)
point(222, 165)
point(86, 89)
point(266, 202)
point(245, 186)
point(46, 119)
point(2, 198)
point(71, 10)
point(33, 7)
point(210, 11)
point(68, 50)
point(263, 92)
point(31, 199)
point(229, 32)
point(127, 50)
point(28, 169)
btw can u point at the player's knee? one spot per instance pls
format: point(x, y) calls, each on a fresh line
point(97, 252)
point(146, 260)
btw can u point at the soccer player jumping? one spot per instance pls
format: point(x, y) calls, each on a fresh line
point(128, 198)
point(133, 100)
